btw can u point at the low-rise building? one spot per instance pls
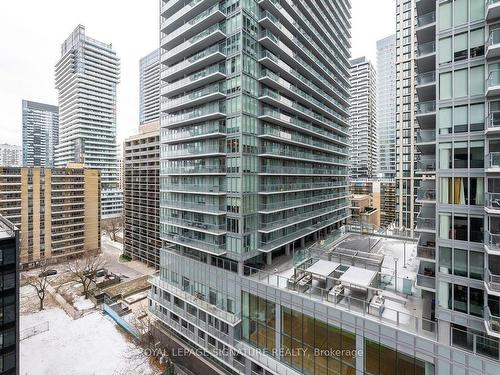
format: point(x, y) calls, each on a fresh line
point(382, 197)
point(56, 209)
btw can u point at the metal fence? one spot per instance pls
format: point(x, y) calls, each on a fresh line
point(35, 330)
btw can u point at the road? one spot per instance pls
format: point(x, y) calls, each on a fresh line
point(111, 252)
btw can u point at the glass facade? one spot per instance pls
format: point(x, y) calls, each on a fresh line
point(9, 298)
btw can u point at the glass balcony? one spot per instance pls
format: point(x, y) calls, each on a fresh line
point(493, 201)
point(493, 83)
point(492, 322)
point(205, 76)
point(424, 108)
point(426, 276)
point(194, 188)
point(426, 78)
point(194, 206)
point(426, 19)
point(425, 136)
point(203, 58)
point(426, 219)
point(197, 169)
point(310, 156)
point(492, 242)
point(287, 187)
point(208, 93)
point(295, 136)
point(209, 129)
point(198, 42)
point(272, 169)
point(184, 240)
point(426, 49)
point(426, 193)
point(426, 166)
point(493, 160)
point(288, 203)
point(284, 119)
point(277, 224)
point(195, 149)
point(300, 110)
point(492, 282)
point(426, 252)
point(202, 226)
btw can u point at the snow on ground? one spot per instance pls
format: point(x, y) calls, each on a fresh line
point(91, 345)
point(81, 303)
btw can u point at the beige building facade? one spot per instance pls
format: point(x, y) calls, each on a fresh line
point(56, 209)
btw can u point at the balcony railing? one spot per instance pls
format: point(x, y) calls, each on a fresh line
point(426, 19)
point(426, 49)
point(427, 252)
point(493, 200)
point(492, 240)
point(426, 281)
point(494, 37)
point(493, 120)
point(493, 160)
point(189, 298)
point(425, 136)
point(493, 78)
point(426, 78)
point(426, 193)
point(492, 280)
point(426, 223)
point(493, 321)
point(423, 108)
point(426, 165)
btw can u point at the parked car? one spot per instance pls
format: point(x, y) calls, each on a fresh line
point(48, 273)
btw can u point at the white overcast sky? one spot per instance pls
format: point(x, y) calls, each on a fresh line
point(31, 32)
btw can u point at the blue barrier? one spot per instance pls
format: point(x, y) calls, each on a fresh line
point(120, 321)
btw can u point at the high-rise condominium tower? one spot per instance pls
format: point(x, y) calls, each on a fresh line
point(363, 121)
point(149, 81)
point(386, 106)
point(40, 133)
point(254, 148)
point(408, 165)
point(141, 195)
point(458, 88)
point(86, 77)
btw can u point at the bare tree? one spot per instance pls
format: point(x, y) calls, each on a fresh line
point(39, 283)
point(112, 226)
point(83, 270)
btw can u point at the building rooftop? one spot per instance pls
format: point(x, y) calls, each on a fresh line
point(365, 274)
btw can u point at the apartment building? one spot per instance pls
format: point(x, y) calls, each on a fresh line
point(458, 92)
point(363, 153)
point(408, 159)
point(87, 75)
point(141, 204)
point(149, 88)
point(254, 131)
point(382, 198)
point(57, 210)
point(386, 106)
point(9, 297)
point(40, 133)
point(11, 155)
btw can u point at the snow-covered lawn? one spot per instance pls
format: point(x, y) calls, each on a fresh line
point(83, 304)
point(91, 345)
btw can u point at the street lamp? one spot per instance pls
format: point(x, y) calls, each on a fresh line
point(396, 274)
